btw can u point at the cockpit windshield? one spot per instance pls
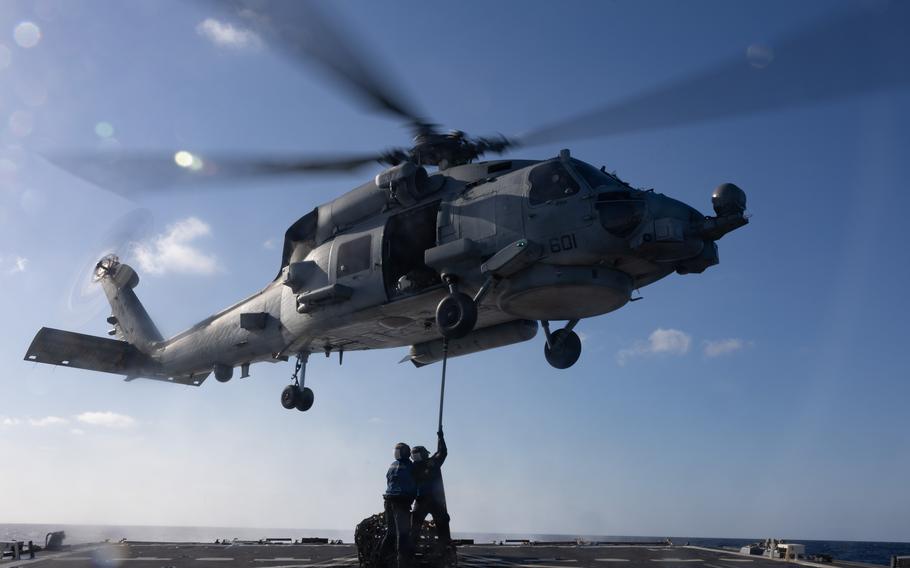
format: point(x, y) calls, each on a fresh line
point(550, 181)
point(593, 177)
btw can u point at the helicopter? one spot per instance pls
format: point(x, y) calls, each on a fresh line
point(441, 251)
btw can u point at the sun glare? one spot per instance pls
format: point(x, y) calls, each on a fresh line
point(184, 159)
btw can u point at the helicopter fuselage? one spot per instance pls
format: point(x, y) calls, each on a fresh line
point(365, 270)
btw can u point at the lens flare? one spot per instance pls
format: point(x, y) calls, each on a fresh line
point(759, 55)
point(189, 161)
point(27, 34)
point(184, 159)
point(21, 123)
point(105, 130)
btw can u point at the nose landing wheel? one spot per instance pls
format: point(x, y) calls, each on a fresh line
point(563, 346)
point(296, 395)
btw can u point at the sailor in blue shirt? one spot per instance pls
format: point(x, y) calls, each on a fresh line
point(400, 492)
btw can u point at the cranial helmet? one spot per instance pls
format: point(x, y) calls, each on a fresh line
point(419, 453)
point(402, 450)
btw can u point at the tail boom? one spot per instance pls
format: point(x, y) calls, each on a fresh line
point(129, 317)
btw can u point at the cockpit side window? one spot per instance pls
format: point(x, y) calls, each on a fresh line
point(621, 212)
point(593, 177)
point(550, 181)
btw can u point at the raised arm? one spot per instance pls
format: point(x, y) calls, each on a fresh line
point(441, 451)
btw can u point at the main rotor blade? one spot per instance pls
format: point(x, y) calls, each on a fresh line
point(131, 173)
point(303, 32)
point(856, 53)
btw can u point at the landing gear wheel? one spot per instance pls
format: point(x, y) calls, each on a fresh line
point(305, 399)
point(567, 349)
point(289, 397)
point(456, 315)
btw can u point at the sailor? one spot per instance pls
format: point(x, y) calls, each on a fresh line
point(400, 492)
point(431, 495)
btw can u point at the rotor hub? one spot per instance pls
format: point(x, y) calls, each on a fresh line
point(445, 150)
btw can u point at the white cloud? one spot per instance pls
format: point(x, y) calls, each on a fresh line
point(106, 419)
point(225, 34)
point(9, 421)
point(173, 251)
point(269, 244)
point(77, 431)
point(660, 342)
point(18, 264)
point(47, 421)
point(718, 347)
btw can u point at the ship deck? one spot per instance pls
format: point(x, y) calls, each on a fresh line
point(274, 555)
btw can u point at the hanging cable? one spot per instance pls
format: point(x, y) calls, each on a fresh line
point(442, 386)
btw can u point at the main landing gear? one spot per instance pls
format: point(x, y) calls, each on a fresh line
point(296, 395)
point(456, 314)
point(563, 346)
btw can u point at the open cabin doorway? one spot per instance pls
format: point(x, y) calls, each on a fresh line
point(407, 235)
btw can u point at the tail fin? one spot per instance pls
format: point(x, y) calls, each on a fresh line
point(129, 317)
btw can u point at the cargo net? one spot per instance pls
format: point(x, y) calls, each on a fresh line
point(428, 551)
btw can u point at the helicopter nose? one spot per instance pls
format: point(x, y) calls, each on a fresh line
point(728, 199)
point(668, 236)
point(705, 259)
point(729, 203)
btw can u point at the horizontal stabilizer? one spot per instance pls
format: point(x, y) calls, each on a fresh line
point(70, 349)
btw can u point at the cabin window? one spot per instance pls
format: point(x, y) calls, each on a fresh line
point(354, 256)
point(551, 181)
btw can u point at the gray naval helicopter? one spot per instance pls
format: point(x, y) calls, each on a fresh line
point(445, 253)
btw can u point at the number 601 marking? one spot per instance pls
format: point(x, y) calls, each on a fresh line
point(563, 242)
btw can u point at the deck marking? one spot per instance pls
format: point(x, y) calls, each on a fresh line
point(611, 559)
point(281, 559)
point(72, 558)
point(215, 559)
point(339, 562)
point(318, 565)
point(728, 560)
point(299, 565)
point(677, 560)
point(140, 559)
point(540, 565)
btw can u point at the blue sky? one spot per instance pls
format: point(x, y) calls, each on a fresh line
point(765, 396)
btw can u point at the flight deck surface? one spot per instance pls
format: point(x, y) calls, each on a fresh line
point(192, 555)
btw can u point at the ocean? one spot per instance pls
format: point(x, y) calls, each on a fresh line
point(855, 551)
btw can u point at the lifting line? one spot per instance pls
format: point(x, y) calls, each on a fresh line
point(442, 386)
